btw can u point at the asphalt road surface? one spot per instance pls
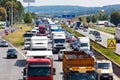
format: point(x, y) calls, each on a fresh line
point(10, 69)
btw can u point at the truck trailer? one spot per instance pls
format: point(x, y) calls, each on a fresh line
point(39, 66)
point(78, 66)
point(117, 34)
point(39, 42)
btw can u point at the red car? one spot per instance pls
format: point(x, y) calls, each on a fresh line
point(70, 37)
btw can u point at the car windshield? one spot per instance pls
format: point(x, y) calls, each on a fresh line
point(103, 65)
point(59, 40)
point(82, 76)
point(38, 71)
point(75, 43)
point(11, 50)
point(84, 44)
point(71, 36)
point(3, 42)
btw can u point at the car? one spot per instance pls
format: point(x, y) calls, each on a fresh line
point(98, 38)
point(27, 45)
point(74, 45)
point(60, 54)
point(97, 34)
point(91, 31)
point(70, 37)
point(11, 53)
point(3, 43)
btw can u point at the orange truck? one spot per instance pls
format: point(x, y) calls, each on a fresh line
point(78, 66)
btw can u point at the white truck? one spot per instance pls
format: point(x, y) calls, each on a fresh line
point(117, 34)
point(104, 70)
point(58, 40)
point(83, 44)
point(39, 42)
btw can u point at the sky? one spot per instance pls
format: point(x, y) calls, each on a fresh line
point(85, 3)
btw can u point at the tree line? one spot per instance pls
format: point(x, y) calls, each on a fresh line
point(18, 13)
point(114, 18)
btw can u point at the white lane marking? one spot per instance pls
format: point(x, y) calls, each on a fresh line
point(17, 49)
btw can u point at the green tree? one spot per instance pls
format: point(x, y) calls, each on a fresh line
point(3, 14)
point(115, 18)
point(80, 19)
point(94, 18)
point(28, 18)
point(34, 16)
point(88, 19)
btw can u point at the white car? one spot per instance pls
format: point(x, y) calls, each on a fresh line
point(60, 54)
point(27, 45)
point(98, 38)
point(3, 43)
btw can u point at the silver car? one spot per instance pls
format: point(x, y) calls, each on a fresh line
point(98, 38)
point(60, 54)
point(3, 43)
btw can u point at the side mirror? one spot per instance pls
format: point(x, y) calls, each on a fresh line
point(24, 71)
point(54, 71)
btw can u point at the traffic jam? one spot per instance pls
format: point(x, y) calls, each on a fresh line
point(78, 62)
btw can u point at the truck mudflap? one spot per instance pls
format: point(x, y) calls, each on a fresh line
point(105, 77)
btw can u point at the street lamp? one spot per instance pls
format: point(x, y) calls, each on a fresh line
point(12, 13)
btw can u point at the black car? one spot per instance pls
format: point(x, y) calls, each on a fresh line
point(11, 53)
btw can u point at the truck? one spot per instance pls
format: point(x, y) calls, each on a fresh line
point(78, 66)
point(77, 25)
point(42, 29)
point(39, 66)
point(37, 22)
point(58, 40)
point(39, 42)
point(117, 35)
point(83, 44)
point(104, 69)
point(27, 36)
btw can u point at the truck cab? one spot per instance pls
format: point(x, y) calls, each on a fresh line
point(42, 29)
point(58, 40)
point(104, 70)
point(83, 44)
point(39, 66)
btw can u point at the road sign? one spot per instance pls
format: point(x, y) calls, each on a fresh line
point(28, 0)
point(68, 16)
point(111, 43)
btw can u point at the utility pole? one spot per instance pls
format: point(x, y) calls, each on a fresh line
point(12, 13)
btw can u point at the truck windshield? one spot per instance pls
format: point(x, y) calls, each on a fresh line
point(39, 71)
point(59, 40)
point(82, 76)
point(84, 44)
point(41, 29)
point(103, 65)
point(28, 35)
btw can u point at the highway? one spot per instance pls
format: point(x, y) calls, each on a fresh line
point(104, 37)
point(10, 69)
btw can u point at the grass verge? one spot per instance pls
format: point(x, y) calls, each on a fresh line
point(110, 30)
point(16, 38)
point(109, 53)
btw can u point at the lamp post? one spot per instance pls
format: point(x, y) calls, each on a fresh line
point(12, 13)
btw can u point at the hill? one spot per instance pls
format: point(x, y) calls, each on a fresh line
point(77, 10)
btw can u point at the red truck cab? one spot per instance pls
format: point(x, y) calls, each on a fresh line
point(39, 67)
point(42, 29)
